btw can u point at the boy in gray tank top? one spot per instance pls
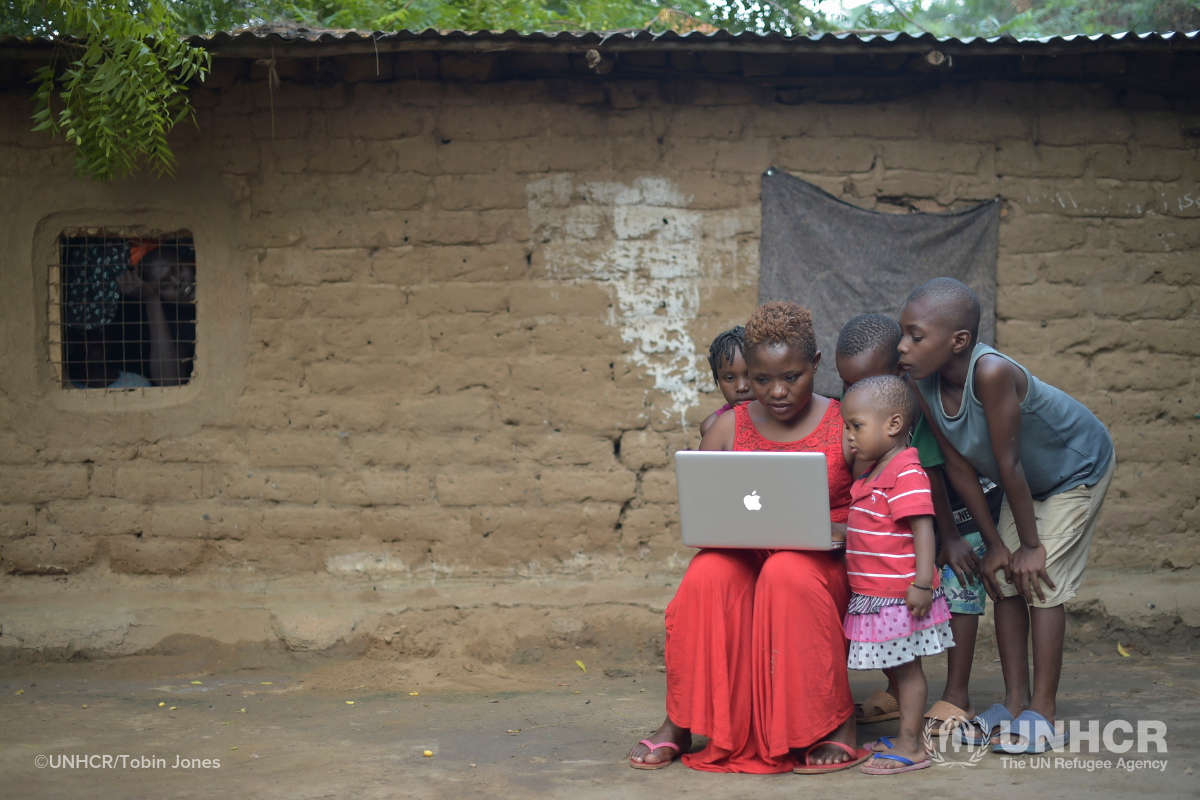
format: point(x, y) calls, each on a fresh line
point(867, 346)
point(1054, 460)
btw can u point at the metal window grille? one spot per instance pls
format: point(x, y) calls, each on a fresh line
point(122, 309)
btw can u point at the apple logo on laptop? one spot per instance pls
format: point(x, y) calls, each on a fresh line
point(753, 501)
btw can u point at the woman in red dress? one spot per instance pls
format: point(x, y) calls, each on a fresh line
point(755, 652)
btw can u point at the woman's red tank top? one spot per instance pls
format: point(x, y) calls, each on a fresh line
point(826, 438)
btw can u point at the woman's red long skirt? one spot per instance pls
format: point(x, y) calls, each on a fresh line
point(756, 656)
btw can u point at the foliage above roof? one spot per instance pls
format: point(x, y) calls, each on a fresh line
point(942, 18)
point(113, 84)
point(113, 77)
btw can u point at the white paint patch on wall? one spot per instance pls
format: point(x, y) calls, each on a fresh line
point(369, 565)
point(1113, 198)
point(643, 242)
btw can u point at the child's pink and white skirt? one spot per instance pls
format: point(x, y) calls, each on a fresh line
point(883, 634)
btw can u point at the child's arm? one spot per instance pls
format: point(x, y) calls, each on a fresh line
point(965, 481)
point(856, 468)
point(998, 391)
point(919, 601)
point(955, 551)
point(708, 423)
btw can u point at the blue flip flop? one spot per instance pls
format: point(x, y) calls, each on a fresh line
point(1035, 735)
point(909, 765)
point(988, 722)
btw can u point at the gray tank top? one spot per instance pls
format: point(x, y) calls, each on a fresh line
point(1063, 445)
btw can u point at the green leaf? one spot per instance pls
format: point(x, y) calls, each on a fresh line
point(114, 87)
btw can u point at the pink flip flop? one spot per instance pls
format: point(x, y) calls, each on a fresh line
point(654, 746)
point(908, 766)
point(856, 757)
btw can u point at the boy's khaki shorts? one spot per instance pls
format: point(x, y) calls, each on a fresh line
point(1065, 524)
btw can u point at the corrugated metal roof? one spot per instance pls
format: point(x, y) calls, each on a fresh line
point(617, 41)
point(301, 41)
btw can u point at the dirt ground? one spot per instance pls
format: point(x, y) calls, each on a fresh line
point(360, 727)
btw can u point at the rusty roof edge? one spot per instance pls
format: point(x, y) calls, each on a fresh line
point(300, 42)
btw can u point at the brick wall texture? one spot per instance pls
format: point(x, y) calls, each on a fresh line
point(475, 306)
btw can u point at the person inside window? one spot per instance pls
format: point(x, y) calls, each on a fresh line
point(92, 306)
point(160, 329)
point(129, 312)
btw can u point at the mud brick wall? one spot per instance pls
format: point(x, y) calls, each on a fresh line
point(453, 314)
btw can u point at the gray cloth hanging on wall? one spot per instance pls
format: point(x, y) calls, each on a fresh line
point(839, 260)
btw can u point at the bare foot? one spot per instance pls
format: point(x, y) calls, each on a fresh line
point(1037, 732)
point(667, 732)
point(1015, 711)
point(830, 754)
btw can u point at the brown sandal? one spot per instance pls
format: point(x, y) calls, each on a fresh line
point(949, 715)
point(883, 707)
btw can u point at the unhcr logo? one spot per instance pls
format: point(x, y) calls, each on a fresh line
point(951, 750)
point(1040, 739)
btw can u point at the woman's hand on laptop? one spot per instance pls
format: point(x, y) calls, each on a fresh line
point(837, 531)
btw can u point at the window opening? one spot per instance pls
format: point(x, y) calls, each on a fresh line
point(122, 310)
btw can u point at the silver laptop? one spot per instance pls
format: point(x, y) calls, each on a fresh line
point(776, 501)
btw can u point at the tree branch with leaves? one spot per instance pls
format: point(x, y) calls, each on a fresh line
point(115, 84)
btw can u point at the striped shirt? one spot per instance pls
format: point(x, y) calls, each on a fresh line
point(881, 559)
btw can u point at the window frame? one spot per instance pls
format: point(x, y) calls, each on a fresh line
point(56, 336)
point(211, 213)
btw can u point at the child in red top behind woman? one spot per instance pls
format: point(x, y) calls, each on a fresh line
point(729, 371)
point(897, 612)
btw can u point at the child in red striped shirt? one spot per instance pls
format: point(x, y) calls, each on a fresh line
point(898, 612)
